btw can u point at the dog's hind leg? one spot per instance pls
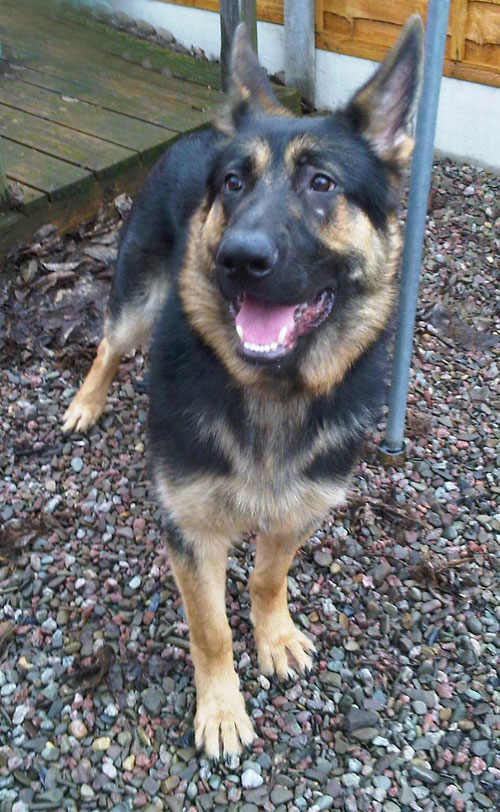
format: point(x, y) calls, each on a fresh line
point(282, 648)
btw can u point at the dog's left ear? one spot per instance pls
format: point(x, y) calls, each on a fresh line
point(249, 89)
point(384, 110)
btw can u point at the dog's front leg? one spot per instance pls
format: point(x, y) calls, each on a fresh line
point(281, 646)
point(222, 725)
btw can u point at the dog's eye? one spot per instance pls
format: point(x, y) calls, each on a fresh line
point(322, 183)
point(232, 182)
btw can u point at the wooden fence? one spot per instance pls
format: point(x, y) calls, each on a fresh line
point(367, 28)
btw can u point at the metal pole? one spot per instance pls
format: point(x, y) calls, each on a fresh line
point(233, 12)
point(435, 39)
point(300, 54)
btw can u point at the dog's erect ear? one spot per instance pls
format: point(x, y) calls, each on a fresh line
point(384, 109)
point(249, 89)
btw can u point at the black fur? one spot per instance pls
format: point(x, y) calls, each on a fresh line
point(153, 238)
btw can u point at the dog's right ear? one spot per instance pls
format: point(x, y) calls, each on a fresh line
point(383, 111)
point(250, 90)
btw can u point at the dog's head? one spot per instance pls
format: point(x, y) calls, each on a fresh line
point(291, 258)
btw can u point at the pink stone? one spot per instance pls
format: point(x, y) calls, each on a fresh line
point(477, 765)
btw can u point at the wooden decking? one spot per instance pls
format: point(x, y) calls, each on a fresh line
point(85, 111)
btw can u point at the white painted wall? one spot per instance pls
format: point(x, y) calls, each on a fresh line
point(468, 126)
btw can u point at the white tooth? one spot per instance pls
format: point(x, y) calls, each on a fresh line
point(282, 335)
point(246, 345)
point(273, 346)
point(239, 330)
point(254, 347)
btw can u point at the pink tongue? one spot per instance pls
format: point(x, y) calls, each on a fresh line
point(262, 322)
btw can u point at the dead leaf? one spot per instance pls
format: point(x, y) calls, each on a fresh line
point(90, 676)
point(7, 630)
point(101, 253)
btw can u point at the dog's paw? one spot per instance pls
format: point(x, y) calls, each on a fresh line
point(222, 726)
point(284, 650)
point(82, 413)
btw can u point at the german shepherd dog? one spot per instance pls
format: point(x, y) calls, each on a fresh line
point(265, 252)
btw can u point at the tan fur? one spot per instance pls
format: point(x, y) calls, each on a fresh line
point(278, 639)
point(267, 489)
point(90, 400)
point(138, 318)
point(132, 328)
point(200, 296)
point(334, 349)
point(260, 153)
point(220, 711)
point(297, 147)
point(337, 347)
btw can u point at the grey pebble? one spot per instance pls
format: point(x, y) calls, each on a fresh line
point(424, 774)
point(323, 558)
point(154, 700)
point(356, 718)
point(251, 779)
point(474, 625)
point(281, 795)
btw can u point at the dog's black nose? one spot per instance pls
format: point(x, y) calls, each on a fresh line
point(247, 253)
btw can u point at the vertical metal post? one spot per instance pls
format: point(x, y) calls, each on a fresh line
point(300, 51)
point(435, 40)
point(233, 12)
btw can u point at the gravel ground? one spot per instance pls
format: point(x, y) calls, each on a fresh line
point(399, 589)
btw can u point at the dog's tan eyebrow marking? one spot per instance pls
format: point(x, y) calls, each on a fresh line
point(259, 153)
point(297, 147)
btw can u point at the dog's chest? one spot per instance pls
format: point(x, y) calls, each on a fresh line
point(270, 465)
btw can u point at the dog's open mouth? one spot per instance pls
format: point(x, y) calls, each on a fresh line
point(268, 331)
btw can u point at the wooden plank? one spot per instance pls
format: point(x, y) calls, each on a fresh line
point(458, 24)
point(26, 37)
point(485, 56)
point(101, 157)
point(153, 108)
point(10, 222)
point(44, 172)
point(319, 10)
point(270, 11)
point(90, 66)
point(83, 117)
point(137, 50)
point(390, 11)
point(138, 97)
point(483, 24)
point(27, 199)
